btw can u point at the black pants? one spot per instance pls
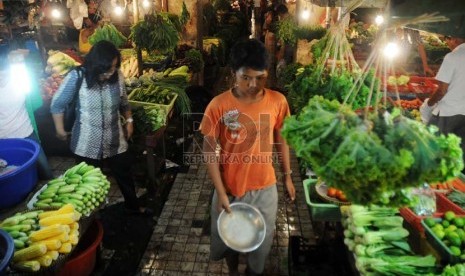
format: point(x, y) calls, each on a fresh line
point(120, 166)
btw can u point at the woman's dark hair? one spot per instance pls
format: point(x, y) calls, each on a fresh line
point(100, 60)
point(250, 53)
point(281, 9)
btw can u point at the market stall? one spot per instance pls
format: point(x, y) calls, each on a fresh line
point(349, 108)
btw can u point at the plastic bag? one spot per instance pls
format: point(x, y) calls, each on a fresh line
point(425, 201)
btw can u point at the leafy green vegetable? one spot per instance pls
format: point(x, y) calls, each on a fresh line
point(185, 15)
point(371, 160)
point(149, 119)
point(108, 32)
point(155, 32)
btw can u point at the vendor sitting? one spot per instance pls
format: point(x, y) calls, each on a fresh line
point(90, 25)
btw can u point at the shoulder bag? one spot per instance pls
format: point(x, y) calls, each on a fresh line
point(69, 116)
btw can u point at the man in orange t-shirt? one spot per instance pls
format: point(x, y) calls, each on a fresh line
point(245, 122)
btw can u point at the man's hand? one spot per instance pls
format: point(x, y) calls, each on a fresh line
point(290, 189)
point(223, 203)
point(429, 72)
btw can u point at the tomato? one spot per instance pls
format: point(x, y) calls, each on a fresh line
point(338, 193)
point(342, 197)
point(331, 192)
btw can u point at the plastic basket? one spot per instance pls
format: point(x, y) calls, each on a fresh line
point(7, 249)
point(166, 107)
point(319, 211)
point(450, 205)
point(442, 205)
point(15, 186)
point(446, 255)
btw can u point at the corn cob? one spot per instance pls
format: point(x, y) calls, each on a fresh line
point(44, 260)
point(60, 219)
point(63, 237)
point(48, 232)
point(65, 209)
point(27, 266)
point(74, 226)
point(53, 254)
point(73, 239)
point(52, 243)
point(65, 248)
point(30, 252)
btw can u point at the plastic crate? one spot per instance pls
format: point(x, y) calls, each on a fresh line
point(166, 107)
point(319, 210)
point(439, 246)
point(442, 205)
point(450, 205)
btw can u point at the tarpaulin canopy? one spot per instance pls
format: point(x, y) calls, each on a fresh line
point(453, 10)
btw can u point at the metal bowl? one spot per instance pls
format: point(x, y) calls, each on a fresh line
point(243, 229)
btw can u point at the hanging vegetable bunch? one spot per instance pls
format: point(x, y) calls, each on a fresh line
point(336, 85)
point(108, 32)
point(155, 32)
point(185, 15)
point(371, 160)
point(333, 75)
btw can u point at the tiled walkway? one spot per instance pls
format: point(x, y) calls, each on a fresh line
point(180, 241)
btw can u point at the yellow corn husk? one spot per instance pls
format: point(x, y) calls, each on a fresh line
point(44, 260)
point(31, 252)
point(65, 248)
point(65, 209)
point(27, 266)
point(63, 237)
point(48, 232)
point(74, 226)
point(53, 254)
point(73, 239)
point(52, 243)
point(67, 218)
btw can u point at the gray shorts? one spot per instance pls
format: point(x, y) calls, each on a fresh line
point(265, 200)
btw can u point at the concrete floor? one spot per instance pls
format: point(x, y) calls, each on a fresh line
point(180, 241)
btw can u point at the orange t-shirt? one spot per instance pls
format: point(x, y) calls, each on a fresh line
point(246, 136)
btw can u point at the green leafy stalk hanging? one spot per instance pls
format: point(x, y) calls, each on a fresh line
point(155, 33)
point(185, 15)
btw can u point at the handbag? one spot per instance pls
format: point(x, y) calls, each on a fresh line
point(69, 116)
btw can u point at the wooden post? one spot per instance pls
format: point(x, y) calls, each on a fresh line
point(135, 11)
point(140, 65)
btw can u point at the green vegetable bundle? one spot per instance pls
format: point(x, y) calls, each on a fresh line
point(110, 33)
point(152, 94)
point(155, 32)
point(335, 85)
point(371, 160)
point(378, 239)
point(149, 119)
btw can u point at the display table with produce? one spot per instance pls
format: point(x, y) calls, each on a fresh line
point(47, 226)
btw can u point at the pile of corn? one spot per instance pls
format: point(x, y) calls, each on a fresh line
point(83, 186)
point(58, 232)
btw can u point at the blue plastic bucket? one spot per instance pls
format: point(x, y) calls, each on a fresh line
point(31, 45)
point(7, 249)
point(15, 186)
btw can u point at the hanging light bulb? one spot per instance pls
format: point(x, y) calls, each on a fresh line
point(118, 10)
point(56, 13)
point(391, 50)
point(306, 13)
point(145, 4)
point(379, 19)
